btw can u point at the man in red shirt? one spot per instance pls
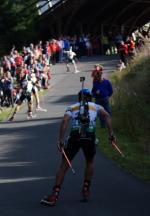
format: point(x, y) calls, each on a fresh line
point(18, 60)
point(123, 52)
point(131, 47)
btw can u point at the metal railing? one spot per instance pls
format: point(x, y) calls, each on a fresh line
point(44, 6)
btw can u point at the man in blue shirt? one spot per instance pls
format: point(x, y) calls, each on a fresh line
point(102, 90)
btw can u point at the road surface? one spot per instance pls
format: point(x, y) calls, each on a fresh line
point(29, 160)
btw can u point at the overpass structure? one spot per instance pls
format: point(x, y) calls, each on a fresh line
point(71, 16)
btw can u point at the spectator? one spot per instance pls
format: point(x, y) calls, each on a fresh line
point(102, 90)
point(123, 52)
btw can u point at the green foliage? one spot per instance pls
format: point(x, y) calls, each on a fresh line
point(16, 22)
point(4, 114)
point(131, 117)
point(131, 102)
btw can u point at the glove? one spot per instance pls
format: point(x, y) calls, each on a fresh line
point(112, 139)
point(60, 145)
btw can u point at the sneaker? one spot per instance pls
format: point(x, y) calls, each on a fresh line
point(49, 200)
point(86, 191)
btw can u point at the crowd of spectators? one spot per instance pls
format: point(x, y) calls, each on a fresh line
point(36, 59)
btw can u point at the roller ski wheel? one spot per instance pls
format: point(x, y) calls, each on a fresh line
point(49, 200)
point(85, 192)
point(85, 196)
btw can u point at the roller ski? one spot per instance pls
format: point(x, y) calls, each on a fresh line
point(51, 200)
point(41, 109)
point(11, 118)
point(85, 191)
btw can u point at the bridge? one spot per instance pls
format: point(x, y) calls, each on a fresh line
point(71, 16)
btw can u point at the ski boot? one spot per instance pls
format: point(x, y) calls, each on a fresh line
point(86, 190)
point(30, 115)
point(51, 199)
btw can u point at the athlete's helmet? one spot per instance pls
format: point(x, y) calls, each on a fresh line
point(85, 94)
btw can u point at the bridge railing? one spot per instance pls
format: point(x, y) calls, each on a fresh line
point(44, 6)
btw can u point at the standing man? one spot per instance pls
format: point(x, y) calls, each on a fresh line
point(83, 116)
point(102, 90)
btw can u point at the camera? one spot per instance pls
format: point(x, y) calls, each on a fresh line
point(82, 79)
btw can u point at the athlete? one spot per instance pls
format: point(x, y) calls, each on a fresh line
point(35, 90)
point(70, 57)
point(26, 87)
point(83, 116)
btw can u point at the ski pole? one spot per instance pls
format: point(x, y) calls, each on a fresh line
point(13, 108)
point(117, 148)
point(69, 163)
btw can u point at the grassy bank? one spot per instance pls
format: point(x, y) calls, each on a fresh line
point(5, 113)
point(131, 118)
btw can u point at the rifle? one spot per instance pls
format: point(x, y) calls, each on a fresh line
point(83, 116)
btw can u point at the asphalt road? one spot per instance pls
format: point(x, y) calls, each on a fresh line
point(29, 160)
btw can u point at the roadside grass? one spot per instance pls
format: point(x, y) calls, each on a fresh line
point(135, 162)
point(131, 118)
point(4, 114)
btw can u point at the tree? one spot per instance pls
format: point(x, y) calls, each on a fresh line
point(17, 22)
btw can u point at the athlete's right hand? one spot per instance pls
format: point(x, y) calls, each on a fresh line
point(60, 145)
point(112, 139)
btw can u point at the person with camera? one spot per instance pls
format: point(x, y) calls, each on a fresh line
point(83, 116)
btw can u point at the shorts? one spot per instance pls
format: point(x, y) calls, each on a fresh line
point(69, 60)
point(75, 143)
point(25, 96)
